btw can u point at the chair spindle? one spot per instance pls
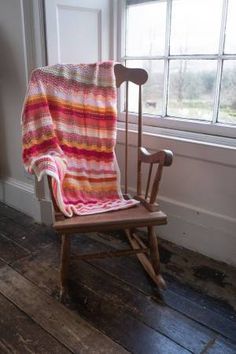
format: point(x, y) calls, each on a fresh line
point(156, 183)
point(139, 171)
point(126, 136)
point(149, 180)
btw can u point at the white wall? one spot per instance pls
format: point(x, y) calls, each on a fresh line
point(13, 78)
point(16, 61)
point(197, 192)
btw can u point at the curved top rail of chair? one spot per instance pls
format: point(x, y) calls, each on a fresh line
point(137, 76)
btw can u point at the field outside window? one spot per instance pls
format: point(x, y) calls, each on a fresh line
point(188, 48)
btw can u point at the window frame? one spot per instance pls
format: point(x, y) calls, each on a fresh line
point(173, 122)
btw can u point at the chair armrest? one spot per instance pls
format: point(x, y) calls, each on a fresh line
point(161, 158)
point(164, 157)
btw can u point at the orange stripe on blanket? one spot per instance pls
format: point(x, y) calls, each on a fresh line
point(69, 143)
point(89, 188)
point(91, 179)
point(67, 104)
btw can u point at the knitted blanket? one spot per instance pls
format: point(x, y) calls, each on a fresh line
point(69, 133)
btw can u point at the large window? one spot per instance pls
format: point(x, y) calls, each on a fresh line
point(188, 48)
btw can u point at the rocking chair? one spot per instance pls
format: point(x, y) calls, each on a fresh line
point(146, 214)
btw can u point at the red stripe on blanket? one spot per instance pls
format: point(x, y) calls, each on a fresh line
point(37, 148)
point(87, 153)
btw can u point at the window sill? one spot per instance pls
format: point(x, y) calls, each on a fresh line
point(187, 126)
point(205, 147)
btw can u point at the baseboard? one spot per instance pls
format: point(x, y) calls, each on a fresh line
point(208, 233)
point(21, 196)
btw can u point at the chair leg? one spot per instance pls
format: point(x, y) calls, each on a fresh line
point(64, 266)
point(155, 257)
point(148, 263)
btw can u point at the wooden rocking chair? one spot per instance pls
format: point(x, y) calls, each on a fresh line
point(146, 214)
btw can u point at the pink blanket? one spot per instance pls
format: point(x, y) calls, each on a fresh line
point(69, 132)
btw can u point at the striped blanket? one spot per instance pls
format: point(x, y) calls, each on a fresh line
point(69, 132)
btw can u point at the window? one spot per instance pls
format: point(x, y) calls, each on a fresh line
point(188, 48)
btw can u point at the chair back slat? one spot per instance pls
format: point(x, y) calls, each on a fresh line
point(149, 180)
point(126, 135)
point(140, 132)
point(138, 77)
point(156, 184)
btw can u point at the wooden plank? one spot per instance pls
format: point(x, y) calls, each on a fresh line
point(15, 215)
point(29, 236)
point(9, 251)
point(221, 346)
point(203, 300)
point(211, 279)
point(168, 255)
point(89, 283)
point(19, 334)
point(121, 325)
point(2, 264)
point(23, 230)
point(198, 278)
point(164, 320)
point(100, 310)
point(70, 330)
point(129, 271)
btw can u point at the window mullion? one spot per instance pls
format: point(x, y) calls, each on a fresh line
point(166, 60)
point(220, 62)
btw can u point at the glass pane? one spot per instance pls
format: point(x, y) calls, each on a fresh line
point(227, 113)
point(153, 88)
point(192, 88)
point(145, 28)
point(195, 26)
point(230, 41)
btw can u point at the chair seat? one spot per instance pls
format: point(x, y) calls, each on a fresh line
point(136, 216)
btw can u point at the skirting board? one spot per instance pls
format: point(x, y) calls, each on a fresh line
point(210, 234)
point(21, 196)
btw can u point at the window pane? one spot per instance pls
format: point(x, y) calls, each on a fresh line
point(145, 28)
point(227, 113)
point(195, 26)
point(192, 88)
point(153, 88)
point(230, 42)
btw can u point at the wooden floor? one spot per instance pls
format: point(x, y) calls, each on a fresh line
point(113, 306)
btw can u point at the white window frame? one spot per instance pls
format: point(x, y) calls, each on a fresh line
point(211, 128)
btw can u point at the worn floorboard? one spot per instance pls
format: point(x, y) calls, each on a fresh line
point(70, 330)
point(113, 307)
point(92, 287)
point(20, 334)
point(221, 346)
point(98, 308)
point(127, 270)
point(10, 251)
point(188, 273)
point(30, 236)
